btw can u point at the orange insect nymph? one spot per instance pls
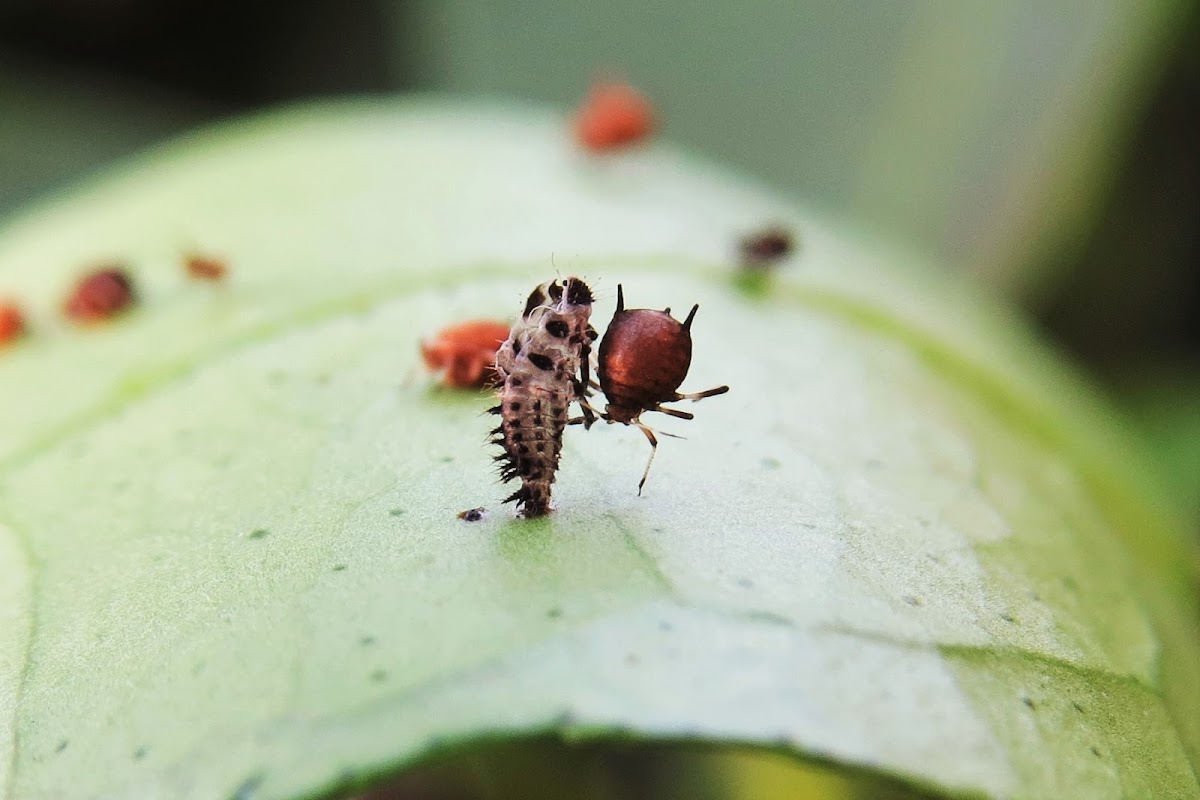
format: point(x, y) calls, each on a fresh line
point(614, 116)
point(466, 354)
point(12, 322)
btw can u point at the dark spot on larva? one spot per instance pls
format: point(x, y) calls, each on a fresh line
point(541, 361)
point(576, 339)
point(516, 345)
point(554, 613)
point(518, 436)
point(537, 405)
point(745, 583)
point(537, 420)
point(62, 746)
point(339, 567)
point(379, 676)
point(248, 787)
point(1077, 707)
point(514, 406)
point(367, 641)
point(557, 328)
point(592, 335)
point(1095, 751)
point(541, 448)
point(396, 512)
point(913, 600)
point(515, 381)
point(1007, 617)
point(139, 754)
point(1028, 701)
point(258, 533)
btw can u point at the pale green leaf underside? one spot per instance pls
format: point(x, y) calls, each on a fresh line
point(229, 555)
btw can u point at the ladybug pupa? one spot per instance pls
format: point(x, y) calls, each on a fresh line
point(542, 368)
point(644, 357)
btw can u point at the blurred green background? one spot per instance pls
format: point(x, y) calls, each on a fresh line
point(1049, 148)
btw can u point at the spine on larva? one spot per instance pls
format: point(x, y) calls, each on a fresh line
point(542, 368)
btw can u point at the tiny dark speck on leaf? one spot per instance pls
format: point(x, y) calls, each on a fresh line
point(339, 567)
point(771, 463)
point(447, 459)
point(913, 601)
point(1007, 617)
point(367, 641)
point(379, 676)
point(1028, 701)
point(745, 583)
point(554, 613)
point(259, 533)
point(395, 512)
point(665, 626)
point(1095, 751)
point(61, 746)
point(1077, 707)
point(139, 754)
point(632, 660)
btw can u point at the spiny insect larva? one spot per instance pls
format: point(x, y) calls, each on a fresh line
point(644, 356)
point(542, 368)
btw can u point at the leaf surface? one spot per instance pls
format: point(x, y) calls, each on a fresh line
point(907, 541)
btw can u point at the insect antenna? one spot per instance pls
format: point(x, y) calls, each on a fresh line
point(620, 299)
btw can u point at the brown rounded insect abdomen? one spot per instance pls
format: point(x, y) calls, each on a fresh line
point(644, 357)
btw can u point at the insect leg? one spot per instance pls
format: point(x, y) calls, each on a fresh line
point(694, 396)
point(653, 449)
point(674, 412)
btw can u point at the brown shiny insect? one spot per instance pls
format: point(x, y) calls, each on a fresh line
point(644, 357)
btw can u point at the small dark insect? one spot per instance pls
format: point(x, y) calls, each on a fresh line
point(543, 368)
point(472, 514)
point(644, 356)
point(100, 295)
point(12, 322)
point(205, 268)
point(614, 115)
point(466, 353)
point(766, 247)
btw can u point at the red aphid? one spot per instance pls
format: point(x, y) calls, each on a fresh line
point(100, 295)
point(206, 268)
point(12, 322)
point(644, 357)
point(614, 115)
point(466, 354)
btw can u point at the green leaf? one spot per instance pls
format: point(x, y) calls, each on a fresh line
point(907, 543)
